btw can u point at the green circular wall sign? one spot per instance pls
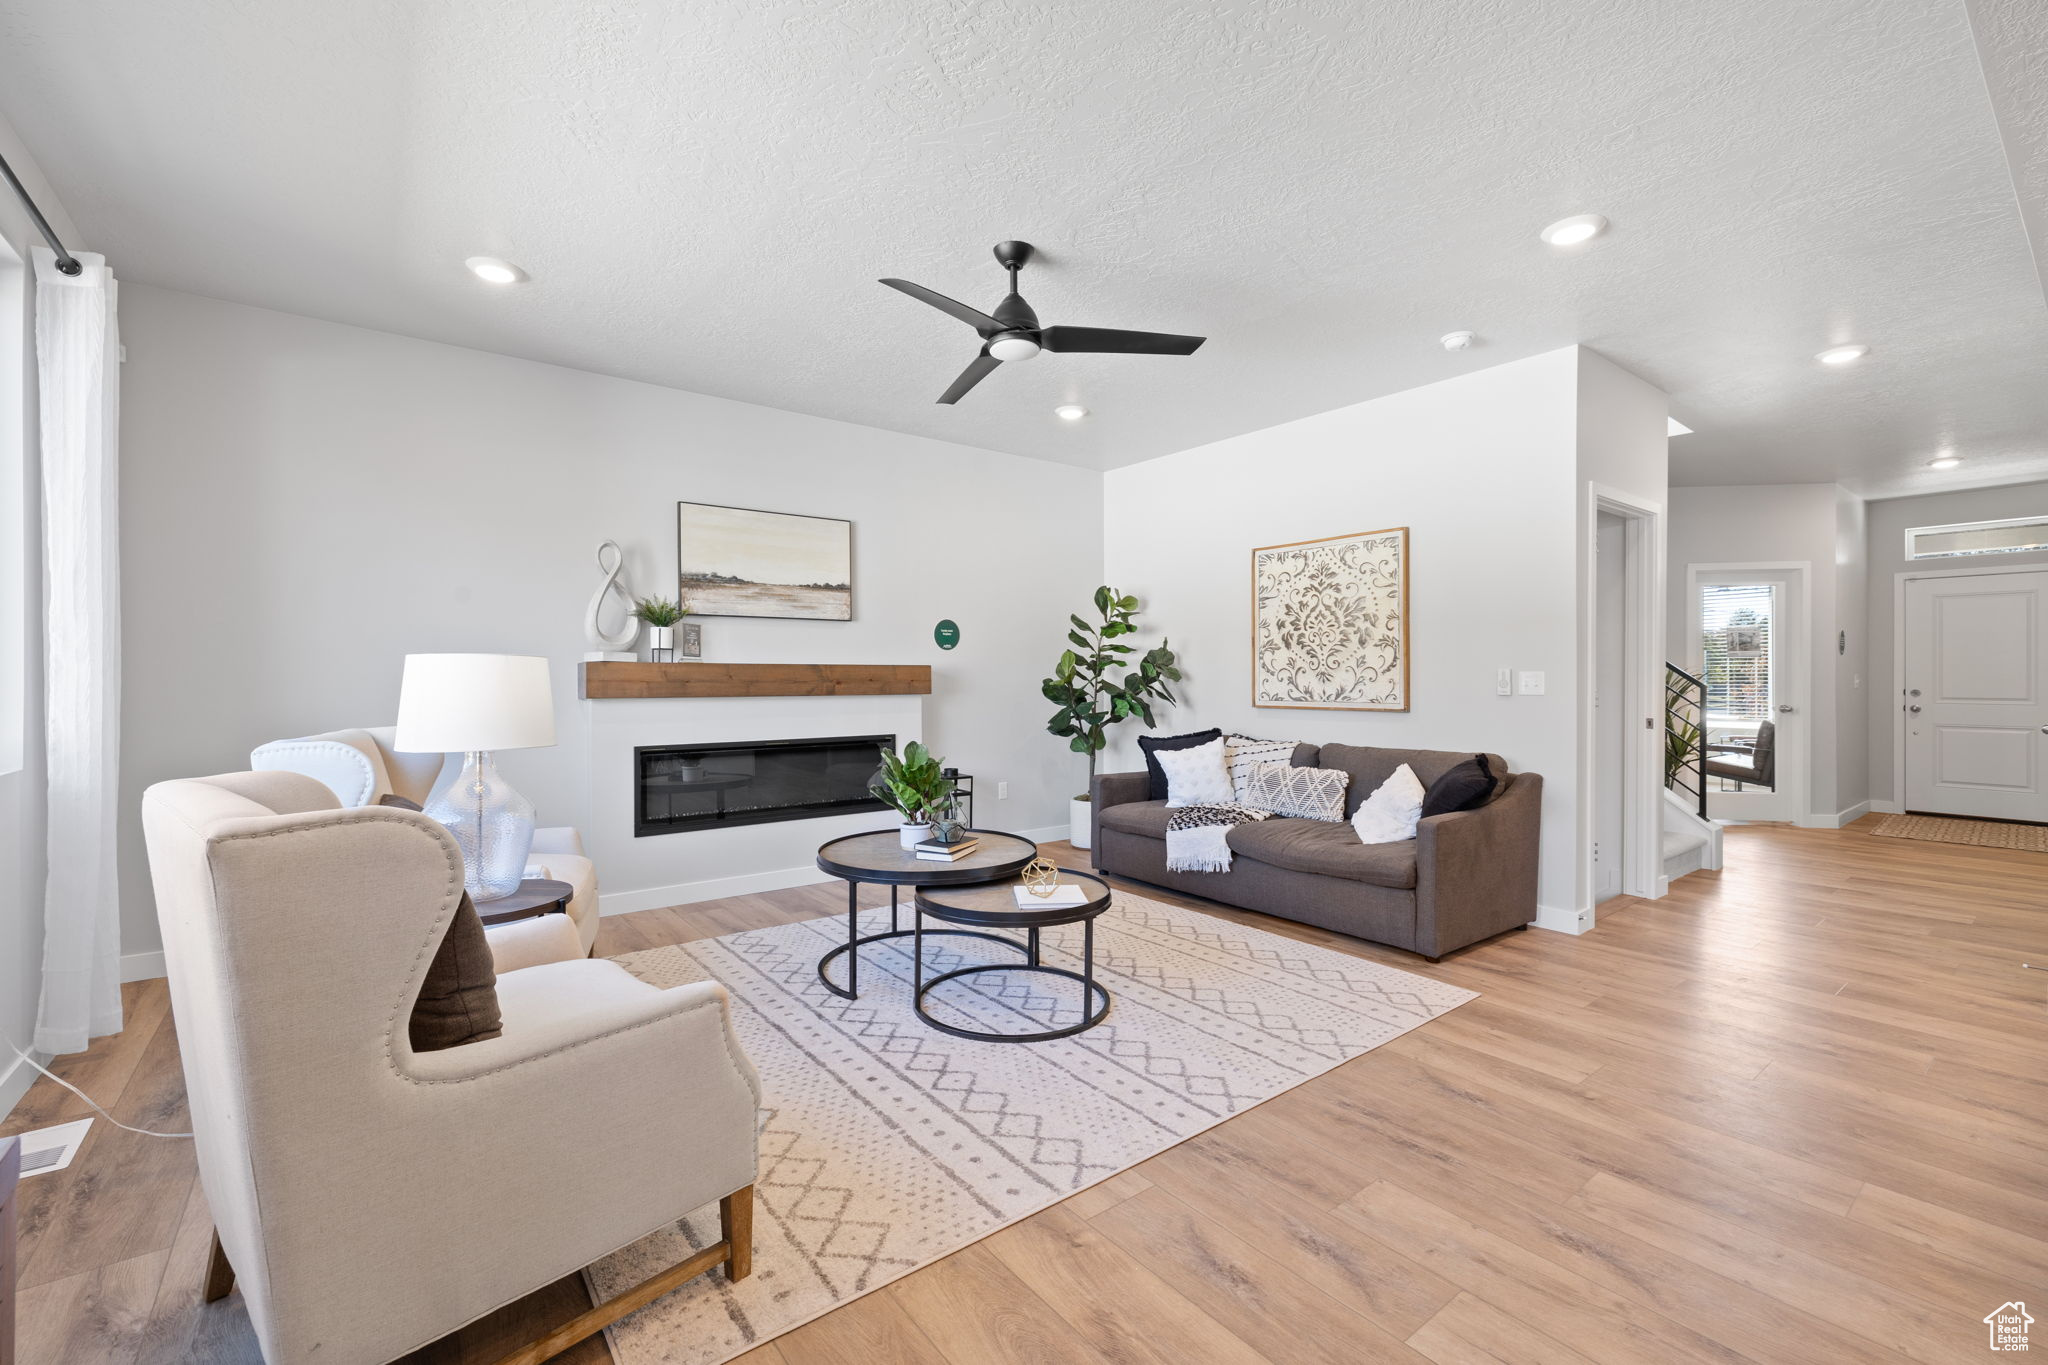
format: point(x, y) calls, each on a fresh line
point(947, 634)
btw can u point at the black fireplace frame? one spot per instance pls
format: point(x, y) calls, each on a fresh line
point(643, 827)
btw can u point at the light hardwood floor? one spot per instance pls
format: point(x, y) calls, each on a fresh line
point(1792, 1112)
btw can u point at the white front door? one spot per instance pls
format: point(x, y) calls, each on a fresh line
point(1976, 695)
point(1749, 633)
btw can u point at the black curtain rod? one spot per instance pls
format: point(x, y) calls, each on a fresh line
point(66, 262)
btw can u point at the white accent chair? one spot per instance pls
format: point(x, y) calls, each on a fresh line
point(370, 1199)
point(361, 767)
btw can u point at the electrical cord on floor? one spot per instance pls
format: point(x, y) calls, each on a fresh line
point(146, 1132)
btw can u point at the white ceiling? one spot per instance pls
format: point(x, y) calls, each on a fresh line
point(706, 192)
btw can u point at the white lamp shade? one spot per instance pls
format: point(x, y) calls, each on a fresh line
point(451, 703)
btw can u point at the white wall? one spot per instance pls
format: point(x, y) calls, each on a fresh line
point(1484, 470)
point(1779, 524)
point(304, 503)
point(1886, 546)
point(22, 790)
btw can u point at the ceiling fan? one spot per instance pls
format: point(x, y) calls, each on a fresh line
point(1012, 331)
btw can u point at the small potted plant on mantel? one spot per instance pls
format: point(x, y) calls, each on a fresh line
point(915, 787)
point(660, 615)
point(1091, 696)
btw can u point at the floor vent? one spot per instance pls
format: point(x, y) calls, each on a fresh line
point(51, 1149)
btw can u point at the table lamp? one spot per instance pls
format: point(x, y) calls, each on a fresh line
point(473, 704)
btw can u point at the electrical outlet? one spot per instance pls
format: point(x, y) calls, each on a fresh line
point(1532, 683)
point(1504, 681)
point(1002, 791)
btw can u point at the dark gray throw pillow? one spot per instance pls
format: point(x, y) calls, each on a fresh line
point(397, 802)
point(1465, 787)
point(1155, 787)
point(459, 999)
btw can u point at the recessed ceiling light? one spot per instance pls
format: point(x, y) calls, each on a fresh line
point(491, 270)
point(1943, 462)
point(1457, 341)
point(1674, 427)
point(1574, 231)
point(1072, 412)
point(1842, 355)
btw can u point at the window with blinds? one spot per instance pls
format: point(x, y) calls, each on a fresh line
point(2012, 536)
point(1735, 650)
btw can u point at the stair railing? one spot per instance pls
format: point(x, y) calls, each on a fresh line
point(1685, 735)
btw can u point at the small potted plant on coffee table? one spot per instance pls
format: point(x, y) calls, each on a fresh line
point(915, 788)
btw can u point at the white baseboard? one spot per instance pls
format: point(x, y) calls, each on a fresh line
point(1562, 920)
point(711, 889)
point(16, 1076)
point(142, 966)
point(1838, 819)
point(752, 883)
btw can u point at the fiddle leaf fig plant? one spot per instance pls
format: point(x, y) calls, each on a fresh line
point(1096, 685)
point(914, 785)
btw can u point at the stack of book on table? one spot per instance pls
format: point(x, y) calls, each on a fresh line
point(933, 851)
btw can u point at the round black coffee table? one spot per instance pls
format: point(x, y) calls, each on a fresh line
point(880, 857)
point(993, 905)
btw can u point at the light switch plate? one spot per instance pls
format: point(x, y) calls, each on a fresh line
point(1002, 791)
point(1504, 682)
point(1532, 683)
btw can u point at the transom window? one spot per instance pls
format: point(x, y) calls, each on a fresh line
point(2015, 535)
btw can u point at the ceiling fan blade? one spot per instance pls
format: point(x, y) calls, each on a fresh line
point(1121, 342)
point(978, 369)
point(979, 321)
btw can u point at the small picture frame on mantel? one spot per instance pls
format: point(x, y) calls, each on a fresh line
point(690, 640)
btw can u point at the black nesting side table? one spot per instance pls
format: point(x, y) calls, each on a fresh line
point(880, 858)
point(993, 905)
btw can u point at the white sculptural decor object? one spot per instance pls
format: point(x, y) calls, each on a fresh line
point(472, 704)
point(618, 644)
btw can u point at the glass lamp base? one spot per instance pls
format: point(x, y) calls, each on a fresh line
point(492, 824)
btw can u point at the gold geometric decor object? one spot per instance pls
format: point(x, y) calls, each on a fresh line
point(1041, 878)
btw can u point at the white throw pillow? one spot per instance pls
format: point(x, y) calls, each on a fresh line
point(1390, 814)
point(1303, 793)
point(1195, 777)
point(1241, 755)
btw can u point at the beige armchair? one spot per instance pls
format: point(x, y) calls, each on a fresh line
point(360, 767)
point(370, 1199)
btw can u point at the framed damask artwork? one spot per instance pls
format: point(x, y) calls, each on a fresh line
point(1330, 623)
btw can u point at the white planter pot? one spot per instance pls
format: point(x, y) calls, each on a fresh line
point(910, 836)
point(1081, 823)
point(661, 643)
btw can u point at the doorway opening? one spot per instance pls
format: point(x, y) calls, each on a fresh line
point(1621, 802)
point(1748, 622)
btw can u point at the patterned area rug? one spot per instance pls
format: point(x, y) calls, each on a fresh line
point(887, 1144)
point(1942, 829)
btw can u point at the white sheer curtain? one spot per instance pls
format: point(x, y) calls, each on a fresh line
point(78, 389)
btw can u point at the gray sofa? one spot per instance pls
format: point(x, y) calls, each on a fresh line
point(1465, 876)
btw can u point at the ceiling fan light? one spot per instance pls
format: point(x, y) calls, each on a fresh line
point(1013, 346)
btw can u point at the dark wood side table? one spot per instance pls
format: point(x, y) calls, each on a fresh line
point(881, 858)
point(535, 896)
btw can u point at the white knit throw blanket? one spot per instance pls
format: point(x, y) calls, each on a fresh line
point(1198, 837)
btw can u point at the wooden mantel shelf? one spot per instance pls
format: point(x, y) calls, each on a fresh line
point(624, 681)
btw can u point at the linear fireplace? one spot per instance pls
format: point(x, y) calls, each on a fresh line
point(678, 787)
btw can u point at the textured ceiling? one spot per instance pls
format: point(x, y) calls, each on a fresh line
point(705, 194)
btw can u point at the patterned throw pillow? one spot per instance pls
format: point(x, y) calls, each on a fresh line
point(1241, 754)
point(1304, 793)
point(1195, 777)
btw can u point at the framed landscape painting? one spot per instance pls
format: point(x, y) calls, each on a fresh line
point(735, 561)
point(1330, 623)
